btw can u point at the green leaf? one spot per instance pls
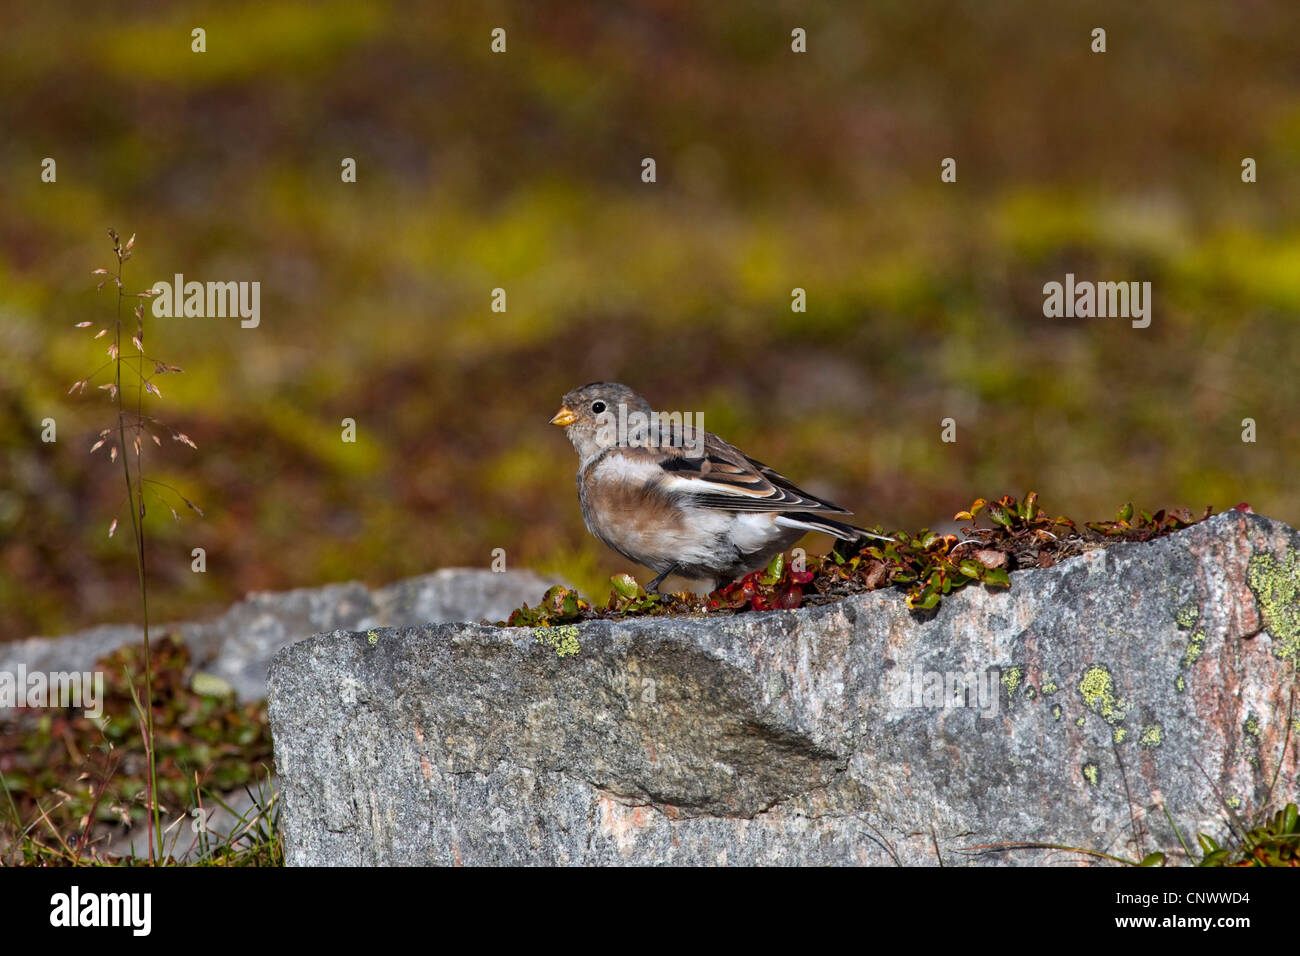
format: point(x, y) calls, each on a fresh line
point(625, 585)
point(775, 568)
point(997, 576)
point(922, 602)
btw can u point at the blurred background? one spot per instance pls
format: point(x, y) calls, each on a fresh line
point(522, 171)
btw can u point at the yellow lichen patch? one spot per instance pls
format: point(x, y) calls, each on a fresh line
point(1098, 692)
point(1049, 687)
point(1120, 734)
point(1195, 644)
point(1056, 711)
point(1011, 678)
point(1187, 616)
point(1250, 733)
point(1276, 586)
point(1090, 773)
point(1152, 736)
point(563, 639)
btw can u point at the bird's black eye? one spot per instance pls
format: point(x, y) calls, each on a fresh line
point(597, 407)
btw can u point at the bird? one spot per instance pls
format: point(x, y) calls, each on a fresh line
point(664, 493)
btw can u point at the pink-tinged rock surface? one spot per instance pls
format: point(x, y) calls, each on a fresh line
point(1089, 705)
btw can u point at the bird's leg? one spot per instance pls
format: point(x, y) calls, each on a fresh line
point(653, 586)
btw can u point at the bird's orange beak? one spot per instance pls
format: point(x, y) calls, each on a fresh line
point(564, 417)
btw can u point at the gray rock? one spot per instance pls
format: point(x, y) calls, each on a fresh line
point(74, 652)
point(458, 594)
point(237, 646)
point(1120, 685)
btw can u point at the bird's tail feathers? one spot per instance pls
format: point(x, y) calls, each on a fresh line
point(838, 529)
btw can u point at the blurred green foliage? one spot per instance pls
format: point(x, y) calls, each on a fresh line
point(522, 171)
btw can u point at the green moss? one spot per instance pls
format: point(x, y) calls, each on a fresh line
point(563, 639)
point(1276, 586)
point(1187, 616)
point(1251, 726)
point(1152, 736)
point(1098, 692)
point(1090, 773)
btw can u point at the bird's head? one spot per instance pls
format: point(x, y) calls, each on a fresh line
point(590, 416)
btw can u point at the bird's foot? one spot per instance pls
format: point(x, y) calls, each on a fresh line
point(653, 586)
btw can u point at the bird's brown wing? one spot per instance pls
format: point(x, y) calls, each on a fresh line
point(723, 476)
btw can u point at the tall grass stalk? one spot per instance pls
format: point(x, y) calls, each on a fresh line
point(138, 425)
